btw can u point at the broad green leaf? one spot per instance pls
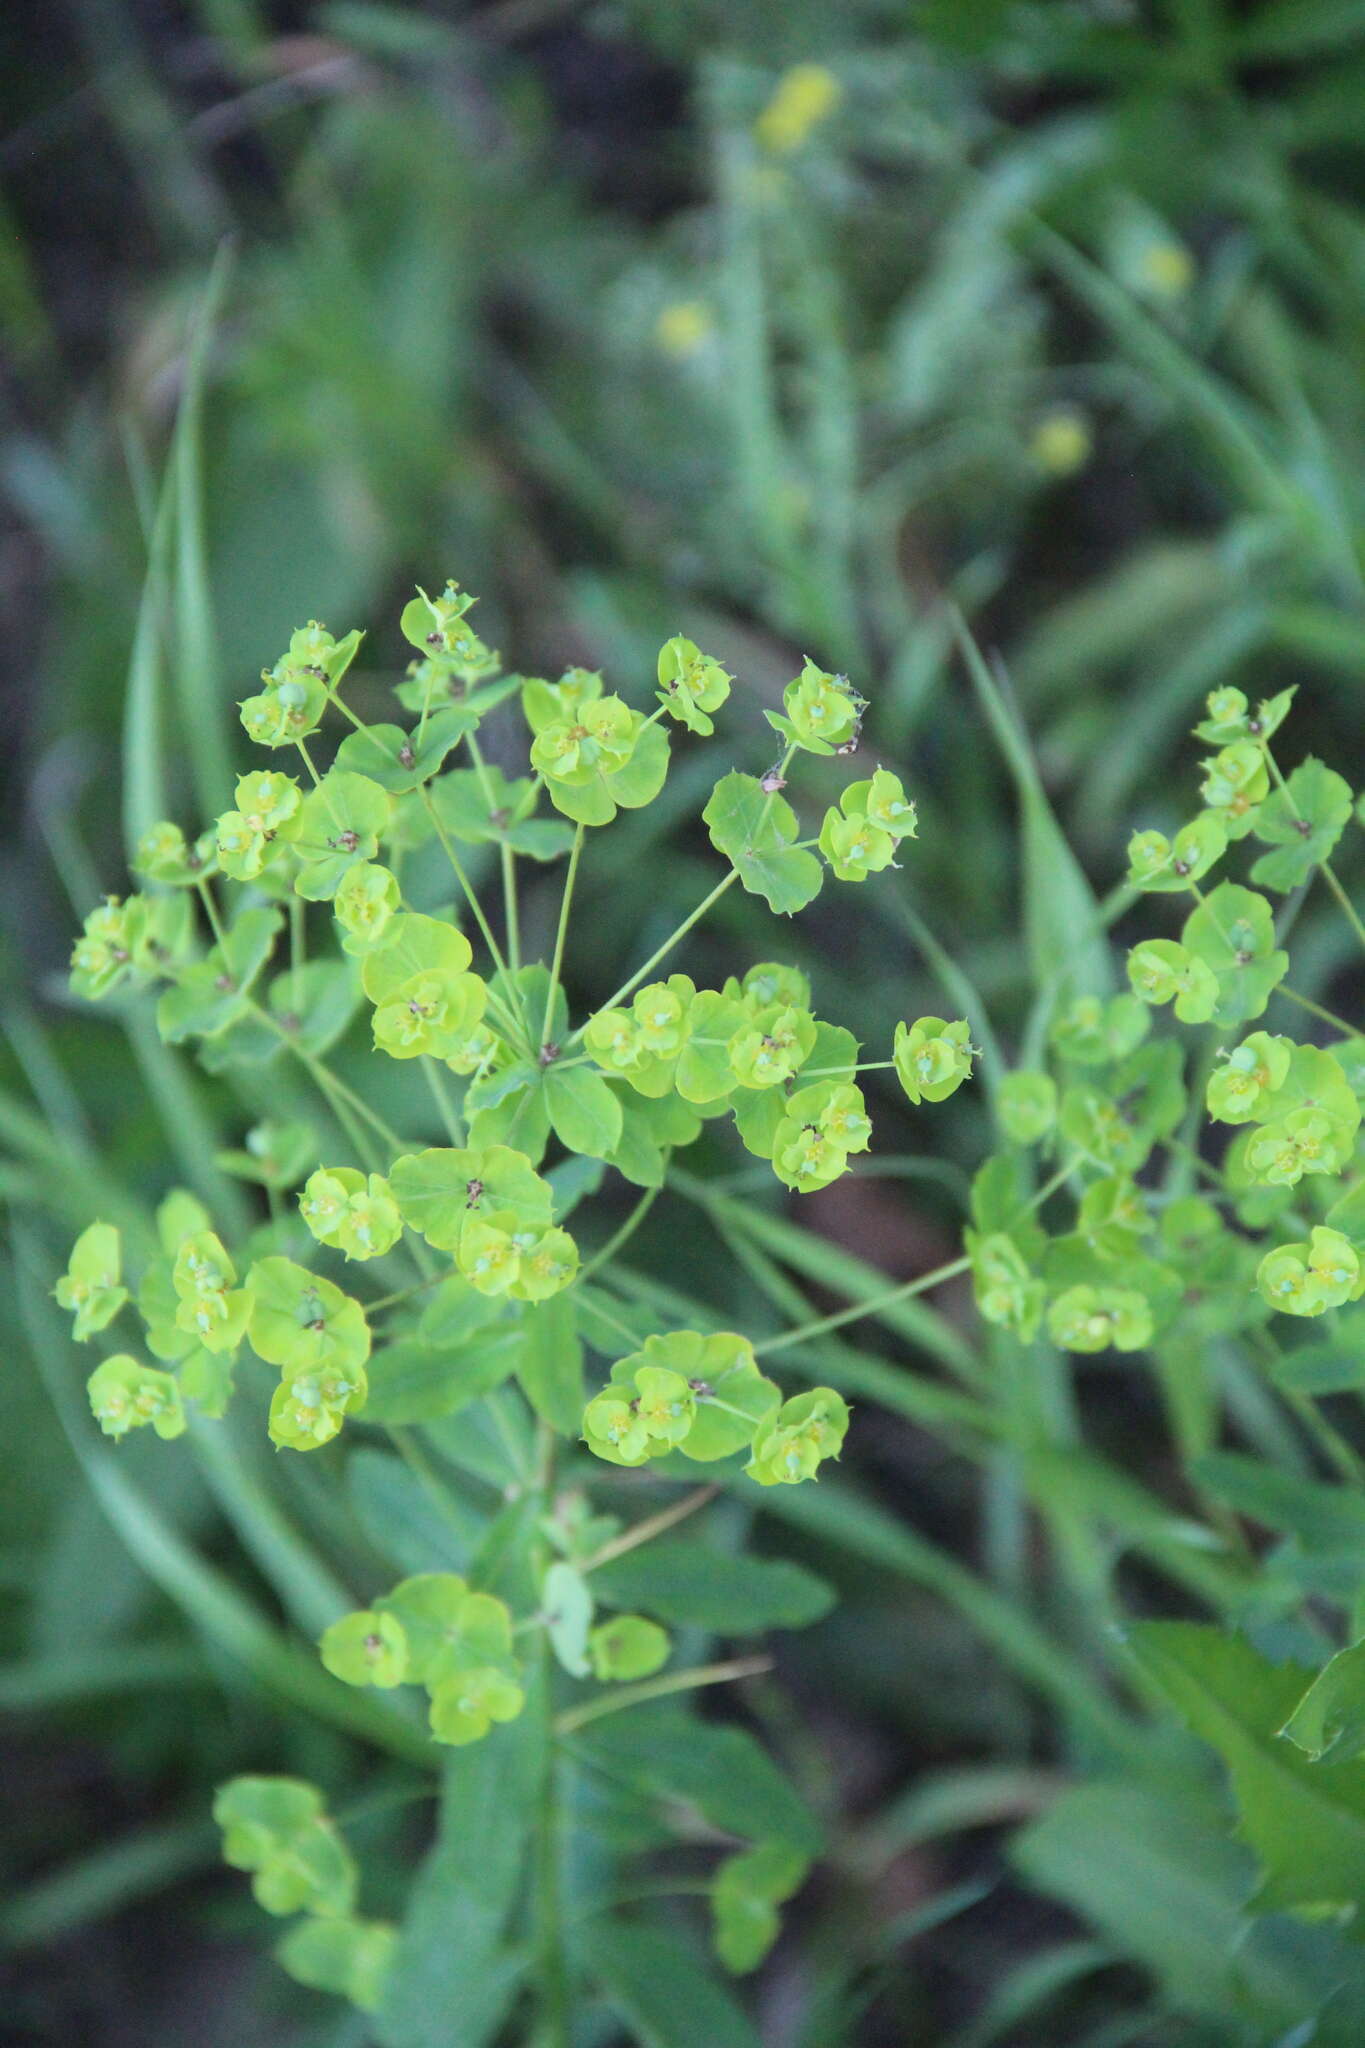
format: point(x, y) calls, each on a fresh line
point(437, 1190)
point(585, 1114)
point(455, 1970)
point(508, 1107)
point(1233, 932)
point(758, 1112)
point(398, 760)
point(756, 832)
point(567, 1604)
point(413, 1381)
point(415, 945)
point(724, 1772)
point(694, 1584)
point(1336, 1365)
point(212, 995)
point(572, 1181)
point(340, 824)
point(312, 1004)
point(455, 1310)
point(1155, 1870)
point(631, 787)
point(480, 805)
point(1302, 822)
point(406, 1521)
point(550, 1366)
point(704, 1074)
point(746, 1893)
point(1306, 1824)
point(638, 1156)
point(660, 1986)
point(1329, 1721)
point(1321, 1515)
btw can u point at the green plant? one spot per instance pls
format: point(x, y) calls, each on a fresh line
point(473, 1283)
point(1165, 1251)
point(1082, 356)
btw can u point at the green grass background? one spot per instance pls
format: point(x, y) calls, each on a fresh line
point(302, 304)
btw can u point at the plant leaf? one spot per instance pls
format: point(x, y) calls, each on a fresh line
point(694, 1584)
point(550, 1368)
point(755, 832)
point(659, 1985)
point(1306, 1824)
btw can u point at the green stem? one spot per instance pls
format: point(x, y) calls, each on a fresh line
point(561, 934)
point(344, 1115)
point(905, 1292)
point(403, 1294)
point(783, 765)
point(333, 1087)
point(436, 1082)
point(1316, 1010)
point(334, 697)
point(805, 1074)
point(625, 1233)
point(624, 1696)
point(908, 1288)
point(509, 894)
point(462, 878)
point(1328, 1438)
point(1352, 915)
point(654, 1525)
point(338, 821)
point(549, 1847)
point(508, 862)
point(211, 912)
point(642, 973)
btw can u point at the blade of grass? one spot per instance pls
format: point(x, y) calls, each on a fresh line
point(195, 671)
point(107, 1880)
point(146, 786)
point(39, 1685)
point(1060, 910)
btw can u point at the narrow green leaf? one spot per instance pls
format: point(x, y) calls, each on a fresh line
point(550, 1369)
point(1306, 1824)
point(455, 1974)
point(108, 1880)
point(418, 1527)
point(414, 1381)
point(661, 1987)
point(1062, 920)
point(694, 1584)
point(195, 669)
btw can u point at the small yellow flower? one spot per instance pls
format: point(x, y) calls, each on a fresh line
point(1167, 269)
point(805, 96)
point(1061, 442)
point(683, 327)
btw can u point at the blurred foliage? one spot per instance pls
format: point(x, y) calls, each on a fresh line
point(1051, 309)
